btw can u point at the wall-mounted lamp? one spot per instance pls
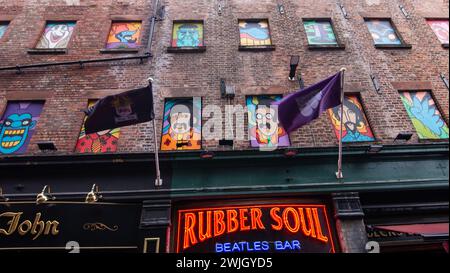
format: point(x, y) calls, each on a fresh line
point(445, 80)
point(402, 8)
point(207, 155)
point(2, 197)
point(44, 196)
point(376, 83)
point(373, 149)
point(46, 146)
point(343, 10)
point(226, 91)
point(403, 136)
point(281, 9)
point(93, 195)
point(293, 64)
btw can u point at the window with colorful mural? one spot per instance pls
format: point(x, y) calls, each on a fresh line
point(425, 116)
point(254, 33)
point(18, 124)
point(56, 35)
point(182, 124)
point(263, 126)
point(3, 27)
point(187, 34)
point(383, 32)
point(440, 28)
point(124, 35)
point(320, 32)
point(100, 142)
point(356, 127)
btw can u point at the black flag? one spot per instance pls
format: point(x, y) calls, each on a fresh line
point(124, 109)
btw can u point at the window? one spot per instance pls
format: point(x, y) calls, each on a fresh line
point(356, 127)
point(383, 33)
point(320, 32)
point(254, 33)
point(440, 28)
point(182, 124)
point(187, 34)
point(56, 35)
point(425, 116)
point(100, 142)
point(124, 35)
point(263, 126)
point(18, 124)
point(3, 27)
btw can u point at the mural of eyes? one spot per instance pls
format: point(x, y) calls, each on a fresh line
point(14, 132)
point(382, 32)
point(254, 33)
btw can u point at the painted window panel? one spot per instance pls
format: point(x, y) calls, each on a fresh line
point(56, 35)
point(3, 27)
point(383, 33)
point(440, 28)
point(320, 32)
point(18, 124)
point(263, 126)
point(100, 142)
point(182, 124)
point(356, 127)
point(123, 35)
point(187, 34)
point(254, 33)
point(425, 116)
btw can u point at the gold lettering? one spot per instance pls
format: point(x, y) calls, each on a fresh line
point(21, 229)
point(36, 228)
point(12, 223)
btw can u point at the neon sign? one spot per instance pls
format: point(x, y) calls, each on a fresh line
point(264, 228)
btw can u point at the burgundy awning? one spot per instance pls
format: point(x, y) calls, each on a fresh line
point(420, 229)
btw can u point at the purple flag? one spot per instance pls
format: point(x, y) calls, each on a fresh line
point(302, 107)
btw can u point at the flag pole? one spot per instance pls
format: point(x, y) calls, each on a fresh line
point(339, 174)
point(158, 181)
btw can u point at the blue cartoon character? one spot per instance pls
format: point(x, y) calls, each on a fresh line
point(188, 35)
point(14, 132)
point(126, 36)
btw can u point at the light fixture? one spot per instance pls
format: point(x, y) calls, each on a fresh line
point(2, 197)
point(373, 149)
point(46, 146)
point(226, 91)
point(290, 153)
point(293, 64)
point(444, 79)
point(375, 83)
point(43, 196)
point(207, 155)
point(93, 195)
point(402, 8)
point(403, 136)
point(301, 83)
point(343, 10)
point(281, 9)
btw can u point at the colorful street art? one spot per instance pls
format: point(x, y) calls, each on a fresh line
point(18, 124)
point(124, 35)
point(263, 126)
point(320, 33)
point(187, 35)
point(182, 124)
point(3, 27)
point(424, 115)
point(56, 35)
point(254, 33)
point(100, 142)
point(356, 127)
point(440, 28)
point(383, 33)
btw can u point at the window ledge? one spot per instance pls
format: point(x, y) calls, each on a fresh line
point(445, 45)
point(326, 47)
point(257, 48)
point(197, 49)
point(402, 46)
point(119, 50)
point(47, 51)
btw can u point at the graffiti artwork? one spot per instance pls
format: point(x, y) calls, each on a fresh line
point(254, 33)
point(356, 127)
point(182, 124)
point(187, 35)
point(383, 33)
point(56, 35)
point(17, 125)
point(320, 33)
point(3, 27)
point(263, 126)
point(124, 35)
point(425, 116)
point(100, 142)
point(440, 28)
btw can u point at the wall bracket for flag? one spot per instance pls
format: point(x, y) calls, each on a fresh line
point(158, 180)
point(339, 174)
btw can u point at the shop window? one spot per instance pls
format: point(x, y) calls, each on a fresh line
point(124, 36)
point(56, 35)
point(187, 36)
point(100, 142)
point(182, 124)
point(424, 114)
point(263, 126)
point(3, 27)
point(321, 33)
point(440, 28)
point(255, 35)
point(356, 127)
point(18, 124)
point(384, 34)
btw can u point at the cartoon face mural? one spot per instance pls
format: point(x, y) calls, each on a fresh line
point(356, 127)
point(3, 27)
point(320, 33)
point(100, 142)
point(383, 33)
point(182, 125)
point(124, 35)
point(17, 125)
point(56, 35)
point(424, 115)
point(440, 28)
point(187, 35)
point(254, 33)
point(263, 126)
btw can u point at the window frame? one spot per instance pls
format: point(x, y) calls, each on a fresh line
point(444, 45)
point(8, 24)
point(186, 49)
point(105, 50)
point(339, 44)
point(270, 47)
point(35, 50)
point(402, 45)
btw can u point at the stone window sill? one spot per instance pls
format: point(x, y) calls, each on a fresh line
point(119, 50)
point(326, 47)
point(198, 49)
point(257, 48)
point(402, 46)
point(47, 51)
point(445, 45)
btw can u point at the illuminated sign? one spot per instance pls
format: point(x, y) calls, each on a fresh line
point(295, 228)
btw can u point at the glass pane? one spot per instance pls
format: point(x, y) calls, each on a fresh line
point(254, 33)
point(320, 33)
point(383, 32)
point(56, 35)
point(3, 27)
point(187, 35)
point(124, 35)
point(440, 28)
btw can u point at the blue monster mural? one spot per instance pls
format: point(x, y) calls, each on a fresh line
point(17, 126)
point(254, 33)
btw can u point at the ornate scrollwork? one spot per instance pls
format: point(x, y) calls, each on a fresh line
point(99, 226)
